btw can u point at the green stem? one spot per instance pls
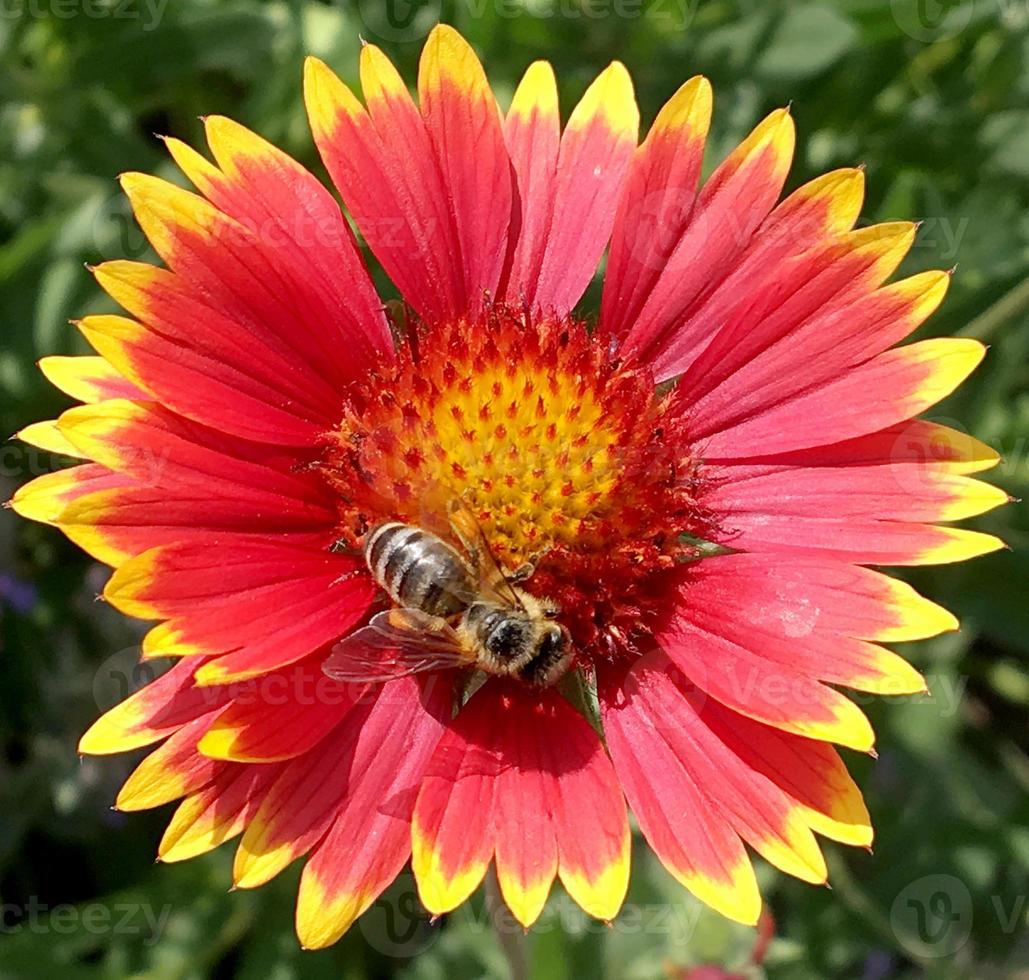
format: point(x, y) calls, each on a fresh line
point(1012, 304)
point(512, 942)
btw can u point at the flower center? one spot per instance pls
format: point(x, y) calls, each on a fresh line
point(566, 457)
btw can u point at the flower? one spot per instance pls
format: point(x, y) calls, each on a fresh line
point(701, 478)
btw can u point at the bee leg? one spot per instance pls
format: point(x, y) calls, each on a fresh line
point(400, 617)
point(522, 572)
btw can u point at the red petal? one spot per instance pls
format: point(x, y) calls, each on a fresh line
point(153, 712)
point(199, 387)
point(801, 235)
point(785, 696)
point(383, 163)
point(241, 273)
point(170, 306)
point(268, 192)
point(160, 449)
point(783, 612)
point(171, 771)
point(807, 340)
point(881, 392)
point(282, 716)
point(262, 603)
point(745, 798)
point(809, 772)
point(805, 594)
point(533, 133)
point(657, 203)
point(515, 773)
point(302, 803)
point(218, 812)
point(453, 826)
point(370, 840)
point(596, 150)
point(704, 854)
point(48, 497)
point(464, 126)
point(855, 513)
point(732, 205)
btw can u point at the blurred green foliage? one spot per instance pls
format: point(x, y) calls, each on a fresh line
point(932, 97)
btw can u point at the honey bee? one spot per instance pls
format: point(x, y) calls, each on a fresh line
point(451, 610)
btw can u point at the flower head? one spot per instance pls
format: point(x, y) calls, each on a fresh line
point(698, 481)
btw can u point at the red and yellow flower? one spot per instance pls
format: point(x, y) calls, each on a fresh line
point(705, 473)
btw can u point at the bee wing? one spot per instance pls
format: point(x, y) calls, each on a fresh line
point(469, 532)
point(396, 643)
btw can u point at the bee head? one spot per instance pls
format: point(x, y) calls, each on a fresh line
point(554, 642)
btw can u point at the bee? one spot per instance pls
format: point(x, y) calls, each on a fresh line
point(451, 610)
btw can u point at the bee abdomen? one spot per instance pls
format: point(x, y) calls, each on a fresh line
point(417, 569)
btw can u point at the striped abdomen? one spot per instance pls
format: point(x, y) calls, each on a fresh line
point(418, 569)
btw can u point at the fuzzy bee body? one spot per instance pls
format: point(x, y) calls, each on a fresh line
point(448, 613)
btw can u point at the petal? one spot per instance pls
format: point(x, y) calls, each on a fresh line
point(153, 712)
point(370, 840)
point(883, 391)
point(263, 604)
point(526, 848)
point(917, 444)
point(657, 202)
point(171, 771)
point(745, 798)
point(88, 379)
point(284, 716)
point(705, 855)
point(774, 609)
point(192, 320)
point(46, 435)
point(160, 449)
point(790, 257)
point(464, 126)
point(510, 748)
point(267, 191)
point(733, 203)
point(48, 496)
point(300, 805)
point(805, 594)
point(786, 696)
point(594, 157)
point(533, 133)
point(116, 524)
point(198, 386)
point(587, 809)
point(829, 509)
point(794, 351)
point(216, 813)
point(176, 481)
point(809, 772)
point(241, 272)
point(453, 827)
point(384, 166)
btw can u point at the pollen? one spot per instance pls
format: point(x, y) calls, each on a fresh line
point(567, 458)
